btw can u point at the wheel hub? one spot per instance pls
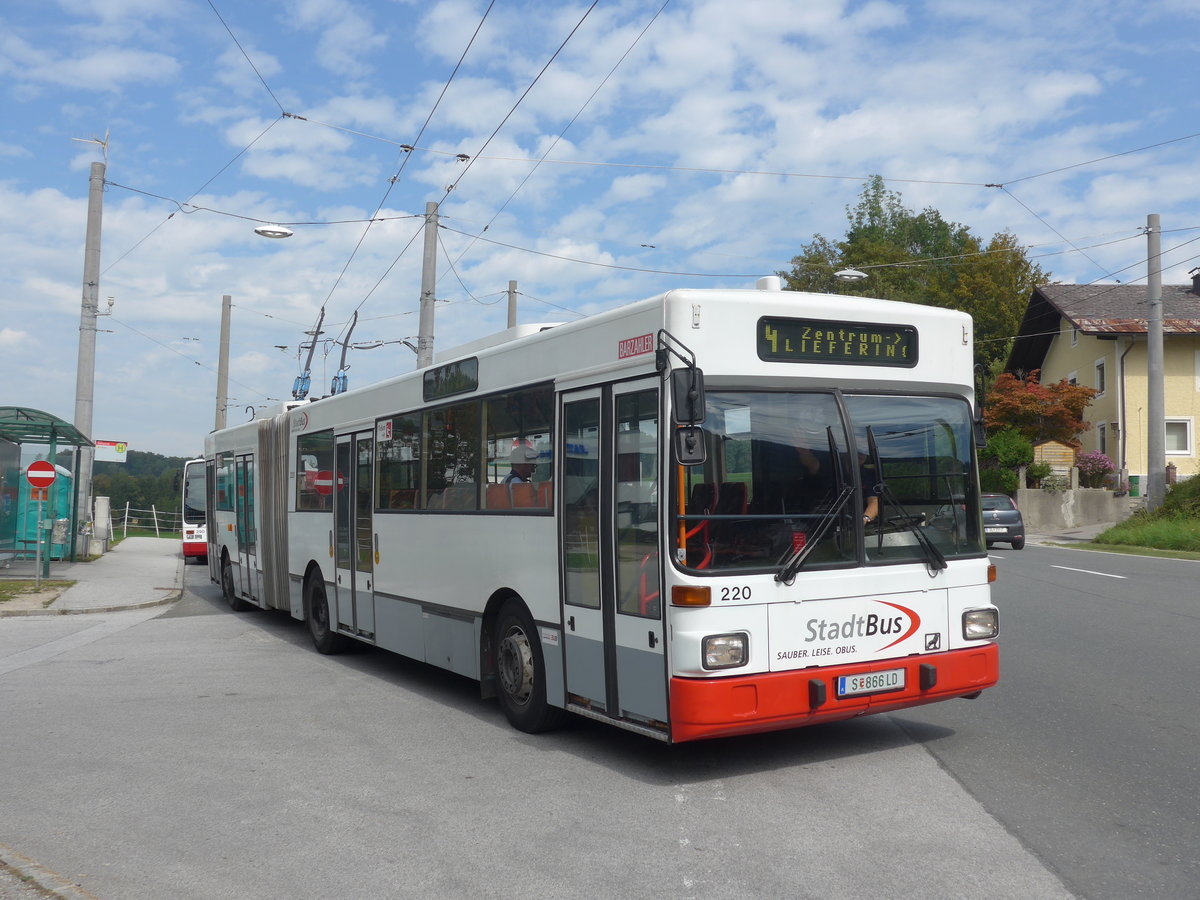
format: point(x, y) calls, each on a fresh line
point(515, 664)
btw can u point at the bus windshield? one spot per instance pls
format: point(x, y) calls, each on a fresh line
point(194, 494)
point(780, 464)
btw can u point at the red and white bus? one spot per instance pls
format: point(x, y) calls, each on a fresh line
point(194, 514)
point(735, 511)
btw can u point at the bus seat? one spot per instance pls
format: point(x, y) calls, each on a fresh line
point(435, 500)
point(461, 495)
point(731, 498)
point(545, 494)
point(703, 499)
point(524, 495)
point(402, 499)
point(497, 497)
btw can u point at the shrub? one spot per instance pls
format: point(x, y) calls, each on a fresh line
point(1092, 469)
point(1035, 472)
point(998, 481)
point(1182, 498)
point(1007, 449)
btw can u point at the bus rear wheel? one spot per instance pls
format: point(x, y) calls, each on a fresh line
point(229, 589)
point(521, 672)
point(320, 624)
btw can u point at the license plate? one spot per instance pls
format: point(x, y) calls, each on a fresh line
point(995, 530)
point(870, 682)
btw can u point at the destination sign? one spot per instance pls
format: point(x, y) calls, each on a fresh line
point(838, 343)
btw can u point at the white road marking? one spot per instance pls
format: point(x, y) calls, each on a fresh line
point(1089, 572)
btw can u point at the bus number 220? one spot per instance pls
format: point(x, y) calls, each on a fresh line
point(736, 592)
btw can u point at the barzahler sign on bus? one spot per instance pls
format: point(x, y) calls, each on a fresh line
point(111, 451)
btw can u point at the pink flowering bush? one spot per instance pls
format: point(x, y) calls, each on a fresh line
point(1092, 469)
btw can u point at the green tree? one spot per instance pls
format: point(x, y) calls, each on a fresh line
point(923, 258)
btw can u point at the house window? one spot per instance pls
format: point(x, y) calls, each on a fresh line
point(1074, 336)
point(1072, 378)
point(1102, 438)
point(1100, 378)
point(1179, 437)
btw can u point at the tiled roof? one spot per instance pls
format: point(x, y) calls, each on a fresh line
point(1121, 308)
point(1097, 309)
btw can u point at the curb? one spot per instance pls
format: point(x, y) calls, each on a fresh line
point(51, 883)
point(170, 598)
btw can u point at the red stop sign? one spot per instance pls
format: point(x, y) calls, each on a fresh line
point(41, 473)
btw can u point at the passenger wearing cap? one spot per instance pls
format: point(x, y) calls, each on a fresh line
point(522, 461)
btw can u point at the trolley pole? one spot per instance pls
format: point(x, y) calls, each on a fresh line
point(428, 284)
point(85, 370)
point(1156, 428)
point(223, 364)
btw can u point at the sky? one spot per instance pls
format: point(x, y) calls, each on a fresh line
point(595, 155)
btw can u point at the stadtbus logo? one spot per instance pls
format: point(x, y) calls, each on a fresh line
point(868, 625)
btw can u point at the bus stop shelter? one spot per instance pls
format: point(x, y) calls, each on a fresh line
point(19, 529)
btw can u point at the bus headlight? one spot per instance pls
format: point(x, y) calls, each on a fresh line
point(980, 624)
point(725, 651)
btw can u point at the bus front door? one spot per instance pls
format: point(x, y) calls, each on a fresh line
point(355, 547)
point(247, 531)
point(612, 602)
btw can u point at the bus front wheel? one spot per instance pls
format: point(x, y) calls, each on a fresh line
point(320, 625)
point(521, 672)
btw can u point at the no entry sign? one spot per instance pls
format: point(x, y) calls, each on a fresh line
point(41, 474)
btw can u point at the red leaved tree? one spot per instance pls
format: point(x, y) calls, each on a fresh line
point(1040, 412)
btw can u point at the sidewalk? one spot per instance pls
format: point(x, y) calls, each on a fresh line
point(1069, 535)
point(139, 571)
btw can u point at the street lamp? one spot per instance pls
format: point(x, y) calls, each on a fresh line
point(273, 231)
point(849, 275)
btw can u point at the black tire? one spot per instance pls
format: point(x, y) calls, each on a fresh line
point(229, 589)
point(521, 672)
point(320, 623)
point(1018, 543)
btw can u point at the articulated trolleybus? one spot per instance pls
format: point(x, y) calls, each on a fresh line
point(714, 512)
point(194, 517)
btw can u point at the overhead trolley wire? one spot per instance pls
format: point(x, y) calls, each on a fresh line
point(406, 155)
point(567, 127)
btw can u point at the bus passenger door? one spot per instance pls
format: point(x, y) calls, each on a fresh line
point(613, 610)
point(355, 536)
point(247, 533)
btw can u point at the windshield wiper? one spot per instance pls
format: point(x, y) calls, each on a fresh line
point(933, 556)
point(787, 574)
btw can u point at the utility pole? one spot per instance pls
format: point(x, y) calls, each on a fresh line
point(1156, 428)
point(223, 364)
point(512, 304)
point(85, 369)
point(428, 283)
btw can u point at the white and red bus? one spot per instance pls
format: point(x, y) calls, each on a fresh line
point(194, 514)
point(747, 510)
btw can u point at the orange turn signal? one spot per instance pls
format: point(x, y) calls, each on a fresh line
point(991, 572)
point(691, 595)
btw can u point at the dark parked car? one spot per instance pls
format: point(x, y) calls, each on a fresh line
point(1002, 521)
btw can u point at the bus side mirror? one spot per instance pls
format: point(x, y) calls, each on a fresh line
point(689, 446)
point(687, 396)
point(980, 432)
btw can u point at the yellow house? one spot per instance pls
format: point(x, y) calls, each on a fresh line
point(1095, 335)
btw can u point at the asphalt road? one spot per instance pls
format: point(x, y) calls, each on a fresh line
point(1088, 750)
point(193, 752)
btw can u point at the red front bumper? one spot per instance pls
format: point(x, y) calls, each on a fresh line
point(718, 707)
